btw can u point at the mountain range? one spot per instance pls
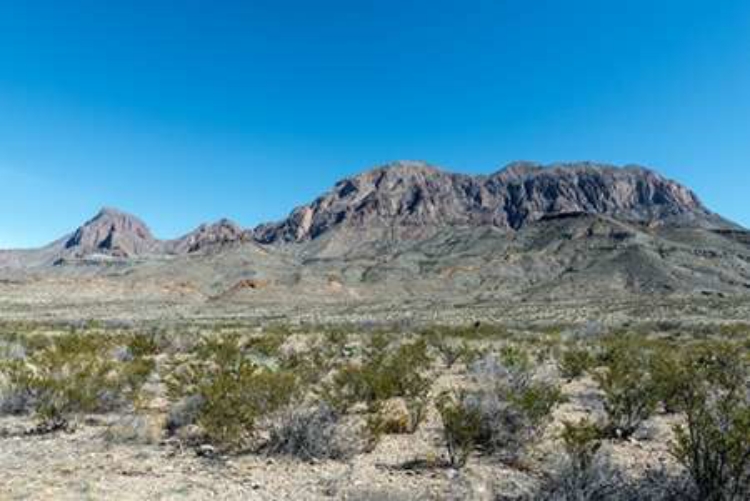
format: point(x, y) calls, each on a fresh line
point(409, 229)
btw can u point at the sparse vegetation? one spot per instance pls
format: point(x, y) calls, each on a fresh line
point(332, 395)
point(382, 376)
point(229, 391)
point(630, 392)
point(74, 374)
point(714, 444)
point(505, 409)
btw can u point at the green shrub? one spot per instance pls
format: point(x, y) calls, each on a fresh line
point(582, 441)
point(714, 445)
point(575, 361)
point(382, 376)
point(505, 409)
point(230, 392)
point(630, 393)
point(76, 373)
point(143, 345)
point(462, 427)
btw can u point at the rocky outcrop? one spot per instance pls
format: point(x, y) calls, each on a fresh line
point(407, 201)
point(210, 237)
point(414, 194)
point(113, 233)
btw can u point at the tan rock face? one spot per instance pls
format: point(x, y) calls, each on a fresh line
point(115, 233)
point(409, 194)
point(208, 236)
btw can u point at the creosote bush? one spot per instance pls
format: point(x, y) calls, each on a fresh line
point(630, 392)
point(462, 427)
point(384, 374)
point(714, 444)
point(504, 410)
point(75, 373)
point(230, 393)
point(575, 361)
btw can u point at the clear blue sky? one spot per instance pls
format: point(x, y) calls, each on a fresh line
point(185, 111)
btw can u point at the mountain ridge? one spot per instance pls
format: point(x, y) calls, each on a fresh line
point(382, 212)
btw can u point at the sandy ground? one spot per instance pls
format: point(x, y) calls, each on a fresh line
point(85, 464)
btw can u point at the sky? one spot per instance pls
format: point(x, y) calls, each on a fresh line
point(186, 111)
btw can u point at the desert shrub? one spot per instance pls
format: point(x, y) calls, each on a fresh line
point(143, 345)
point(630, 393)
point(14, 397)
point(584, 474)
point(382, 376)
point(582, 440)
point(318, 432)
point(575, 361)
point(714, 445)
point(462, 426)
point(604, 481)
point(75, 373)
point(184, 412)
point(670, 376)
point(601, 481)
point(580, 478)
point(451, 349)
point(515, 359)
point(506, 408)
point(267, 345)
point(229, 393)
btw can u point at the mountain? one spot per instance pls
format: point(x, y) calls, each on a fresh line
point(113, 233)
point(409, 232)
point(210, 236)
point(413, 196)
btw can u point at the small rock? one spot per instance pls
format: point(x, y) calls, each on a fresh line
point(207, 451)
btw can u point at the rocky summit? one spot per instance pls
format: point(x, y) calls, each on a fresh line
point(409, 231)
point(409, 194)
point(111, 232)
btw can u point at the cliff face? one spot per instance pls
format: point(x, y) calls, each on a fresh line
point(209, 236)
point(113, 233)
point(407, 201)
point(416, 194)
point(410, 231)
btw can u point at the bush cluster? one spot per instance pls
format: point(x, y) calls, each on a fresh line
point(384, 374)
point(227, 392)
point(503, 411)
point(74, 374)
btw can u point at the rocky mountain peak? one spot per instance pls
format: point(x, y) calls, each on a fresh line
point(218, 234)
point(415, 194)
point(112, 232)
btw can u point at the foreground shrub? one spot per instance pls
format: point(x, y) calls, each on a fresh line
point(450, 349)
point(75, 373)
point(574, 362)
point(227, 393)
point(503, 411)
point(318, 432)
point(714, 445)
point(630, 393)
point(580, 478)
point(383, 376)
point(462, 427)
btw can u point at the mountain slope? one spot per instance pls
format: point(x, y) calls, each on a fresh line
point(113, 233)
point(412, 232)
point(408, 195)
